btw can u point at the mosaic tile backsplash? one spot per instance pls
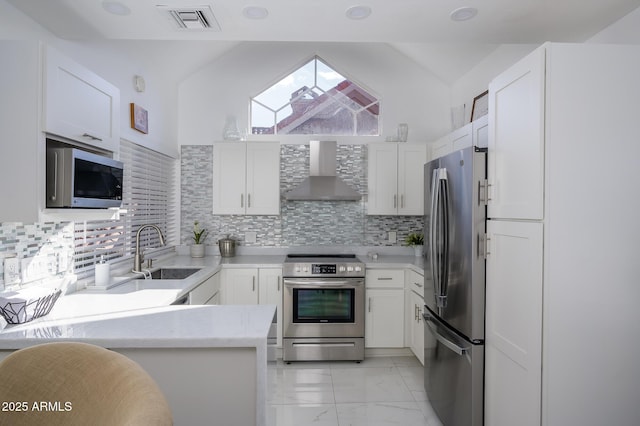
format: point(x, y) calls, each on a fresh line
point(301, 223)
point(53, 241)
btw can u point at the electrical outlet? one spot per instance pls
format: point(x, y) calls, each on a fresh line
point(393, 236)
point(62, 261)
point(11, 270)
point(34, 268)
point(250, 237)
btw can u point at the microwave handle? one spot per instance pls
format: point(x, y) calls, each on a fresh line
point(55, 177)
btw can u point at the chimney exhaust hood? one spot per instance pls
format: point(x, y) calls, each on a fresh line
point(322, 183)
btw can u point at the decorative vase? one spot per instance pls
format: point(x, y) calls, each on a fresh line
point(197, 250)
point(418, 251)
point(403, 132)
point(231, 132)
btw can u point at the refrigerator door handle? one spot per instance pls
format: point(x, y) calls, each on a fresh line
point(439, 234)
point(433, 327)
point(432, 231)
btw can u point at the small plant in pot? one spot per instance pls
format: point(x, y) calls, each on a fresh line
point(199, 235)
point(415, 240)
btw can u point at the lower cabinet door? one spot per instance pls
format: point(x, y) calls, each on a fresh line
point(417, 326)
point(384, 319)
point(240, 286)
point(513, 345)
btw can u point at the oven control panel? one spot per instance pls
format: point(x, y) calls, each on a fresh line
point(354, 269)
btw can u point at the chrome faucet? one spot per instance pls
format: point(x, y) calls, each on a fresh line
point(139, 257)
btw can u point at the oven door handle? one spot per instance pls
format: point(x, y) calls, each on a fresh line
point(316, 284)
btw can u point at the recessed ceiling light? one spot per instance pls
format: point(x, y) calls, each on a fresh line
point(255, 12)
point(116, 8)
point(358, 12)
point(463, 14)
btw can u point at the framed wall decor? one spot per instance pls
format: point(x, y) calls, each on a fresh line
point(139, 118)
point(480, 105)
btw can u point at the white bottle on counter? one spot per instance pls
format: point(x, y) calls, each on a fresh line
point(102, 272)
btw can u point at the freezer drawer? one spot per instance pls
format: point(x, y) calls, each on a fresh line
point(453, 374)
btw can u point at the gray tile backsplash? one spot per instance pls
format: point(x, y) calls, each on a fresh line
point(301, 223)
point(51, 240)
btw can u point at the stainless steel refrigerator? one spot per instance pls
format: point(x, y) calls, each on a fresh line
point(455, 233)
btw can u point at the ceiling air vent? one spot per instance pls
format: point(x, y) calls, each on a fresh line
point(191, 18)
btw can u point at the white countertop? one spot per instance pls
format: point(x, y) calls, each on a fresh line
point(169, 326)
point(137, 313)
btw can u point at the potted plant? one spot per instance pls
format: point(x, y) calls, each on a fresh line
point(416, 240)
point(199, 235)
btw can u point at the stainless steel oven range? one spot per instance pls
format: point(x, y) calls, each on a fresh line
point(323, 308)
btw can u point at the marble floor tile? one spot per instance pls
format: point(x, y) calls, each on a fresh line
point(381, 414)
point(380, 391)
point(301, 415)
point(299, 386)
point(376, 384)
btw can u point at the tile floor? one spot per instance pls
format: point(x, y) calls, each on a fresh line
point(377, 392)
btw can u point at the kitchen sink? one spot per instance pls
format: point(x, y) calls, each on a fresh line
point(173, 273)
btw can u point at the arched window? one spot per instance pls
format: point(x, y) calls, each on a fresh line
point(315, 100)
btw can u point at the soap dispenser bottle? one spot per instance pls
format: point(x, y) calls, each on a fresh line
point(102, 272)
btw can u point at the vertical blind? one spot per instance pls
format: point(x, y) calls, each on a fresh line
point(149, 197)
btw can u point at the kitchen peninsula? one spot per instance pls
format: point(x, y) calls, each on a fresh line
point(194, 353)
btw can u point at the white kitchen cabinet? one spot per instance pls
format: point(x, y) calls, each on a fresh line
point(270, 293)
point(396, 179)
point(414, 288)
point(240, 286)
point(513, 323)
point(480, 129)
point(79, 104)
point(384, 317)
point(458, 139)
point(246, 178)
point(22, 152)
point(472, 134)
point(516, 140)
point(22, 149)
point(252, 286)
point(441, 147)
point(206, 293)
point(561, 300)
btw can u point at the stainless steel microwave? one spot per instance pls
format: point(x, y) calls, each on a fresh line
point(81, 179)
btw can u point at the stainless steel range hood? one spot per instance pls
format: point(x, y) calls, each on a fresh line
point(322, 183)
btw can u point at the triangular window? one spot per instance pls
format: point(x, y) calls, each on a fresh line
point(315, 100)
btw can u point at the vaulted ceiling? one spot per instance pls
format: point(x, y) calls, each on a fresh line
point(421, 29)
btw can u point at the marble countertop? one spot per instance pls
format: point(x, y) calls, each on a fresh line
point(169, 326)
point(394, 261)
point(137, 312)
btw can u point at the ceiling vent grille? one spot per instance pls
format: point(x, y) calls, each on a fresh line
point(196, 18)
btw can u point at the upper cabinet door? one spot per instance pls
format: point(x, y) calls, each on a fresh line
point(246, 178)
point(263, 178)
point(229, 178)
point(411, 160)
point(383, 179)
point(516, 140)
point(80, 105)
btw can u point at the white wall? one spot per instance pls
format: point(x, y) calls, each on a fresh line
point(625, 31)
point(116, 63)
point(477, 79)
point(408, 93)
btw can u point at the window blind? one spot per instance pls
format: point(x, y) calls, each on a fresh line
point(149, 197)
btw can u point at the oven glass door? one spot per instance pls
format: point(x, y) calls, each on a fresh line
point(323, 305)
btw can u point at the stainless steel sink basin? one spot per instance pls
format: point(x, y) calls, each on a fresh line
point(173, 273)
